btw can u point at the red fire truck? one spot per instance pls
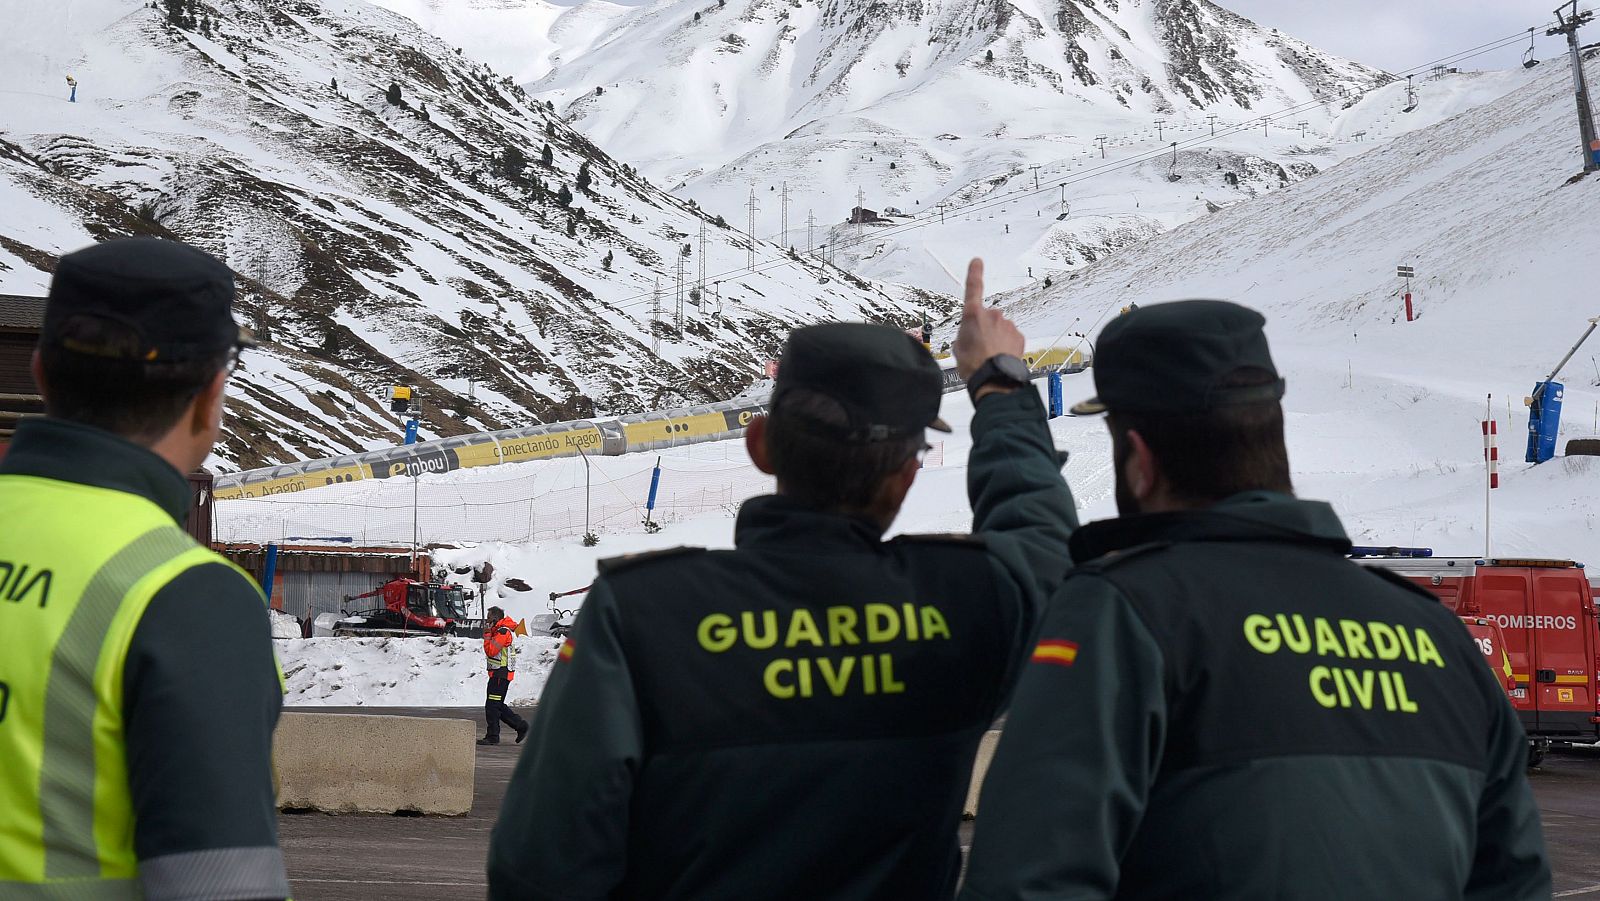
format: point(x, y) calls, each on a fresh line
point(1545, 611)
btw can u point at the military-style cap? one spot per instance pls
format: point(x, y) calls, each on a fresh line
point(177, 301)
point(887, 383)
point(1175, 358)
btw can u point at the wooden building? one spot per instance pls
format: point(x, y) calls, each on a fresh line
point(308, 580)
point(21, 320)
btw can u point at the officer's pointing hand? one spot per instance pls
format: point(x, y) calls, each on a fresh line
point(984, 331)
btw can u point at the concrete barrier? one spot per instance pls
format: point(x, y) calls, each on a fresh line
point(355, 763)
point(980, 768)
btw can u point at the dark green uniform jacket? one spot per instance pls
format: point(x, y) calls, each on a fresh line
point(795, 718)
point(1222, 706)
point(200, 691)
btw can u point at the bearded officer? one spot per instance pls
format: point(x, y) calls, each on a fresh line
point(1221, 704)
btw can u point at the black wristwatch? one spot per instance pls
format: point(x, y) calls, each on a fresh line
point(1000, 369)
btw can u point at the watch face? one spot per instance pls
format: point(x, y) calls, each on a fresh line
point(1012, 368)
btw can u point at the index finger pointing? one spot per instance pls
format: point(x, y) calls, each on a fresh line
point(974, 299)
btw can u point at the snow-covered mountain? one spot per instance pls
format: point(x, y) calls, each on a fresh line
point(398, 214)
point(1383, 413)
point(914, 104)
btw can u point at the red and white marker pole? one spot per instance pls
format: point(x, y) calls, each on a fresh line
point(1406, 273)
point(1491, 461)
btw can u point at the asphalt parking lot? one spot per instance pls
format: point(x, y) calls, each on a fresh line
point(350, 857)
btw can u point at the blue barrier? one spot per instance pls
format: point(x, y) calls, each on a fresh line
point(1544, 421)
point(271, 571)
point(1057, 405)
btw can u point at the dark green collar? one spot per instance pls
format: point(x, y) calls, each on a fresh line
point(1251, 516)
point(772, 520)
point(71, 452)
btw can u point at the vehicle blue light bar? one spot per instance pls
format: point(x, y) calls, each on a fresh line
point(1370, 551)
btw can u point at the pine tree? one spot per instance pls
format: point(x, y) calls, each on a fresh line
point(175, 12)
point(988, 56)
point(564, 196)
point(599, 90)
point(546, 158)
point(605, 262)
point(333, 85)
point(393, 94)
point(584, 179)
point(512, 162)
point(1047, 281)
point(572, 228)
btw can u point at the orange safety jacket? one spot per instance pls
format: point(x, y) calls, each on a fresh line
point(497, 646)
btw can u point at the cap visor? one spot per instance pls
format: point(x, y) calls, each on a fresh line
point(939, 425)
point(1090, 407)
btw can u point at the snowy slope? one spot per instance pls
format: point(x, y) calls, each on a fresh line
point(902, 103)
point(523, 39)
point(1384, 413)
point(914, 105)
point(380, 243)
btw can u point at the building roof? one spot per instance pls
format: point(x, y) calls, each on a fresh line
point(18, 311)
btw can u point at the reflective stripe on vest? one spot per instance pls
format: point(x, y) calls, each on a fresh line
point(506, 657)
point(66, 773)
point(83, 563)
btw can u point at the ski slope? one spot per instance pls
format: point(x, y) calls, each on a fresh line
point(1383, 414)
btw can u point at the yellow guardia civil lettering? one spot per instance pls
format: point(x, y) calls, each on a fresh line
point(837, 626)
point(1336, 687)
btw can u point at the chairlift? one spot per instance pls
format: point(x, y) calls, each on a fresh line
point(1172, 174)
point(1528, 61)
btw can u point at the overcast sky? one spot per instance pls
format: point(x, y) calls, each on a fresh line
point(1398, 34)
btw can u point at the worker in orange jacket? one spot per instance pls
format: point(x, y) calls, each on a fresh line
point(498, 636)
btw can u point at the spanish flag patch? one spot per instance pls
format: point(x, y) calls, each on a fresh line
point(1057, 651)
point(566, 650)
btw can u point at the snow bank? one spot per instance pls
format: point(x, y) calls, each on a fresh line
point(284, 625)
point(404, 672)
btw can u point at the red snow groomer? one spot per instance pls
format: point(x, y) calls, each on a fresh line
point(411, 608)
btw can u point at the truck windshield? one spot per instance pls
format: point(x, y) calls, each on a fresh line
point(451, 604)
point(417, 600)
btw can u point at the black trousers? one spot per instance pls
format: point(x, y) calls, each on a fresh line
point(495, 709)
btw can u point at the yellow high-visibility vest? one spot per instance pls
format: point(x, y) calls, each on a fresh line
point(78, 566)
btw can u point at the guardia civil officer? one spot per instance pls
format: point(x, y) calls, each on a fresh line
point(1221, 704)
point(796, 718)
point(138, 688)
